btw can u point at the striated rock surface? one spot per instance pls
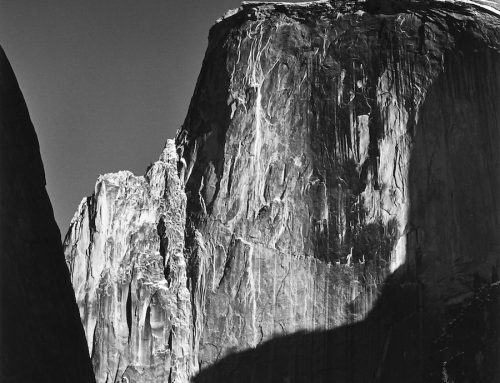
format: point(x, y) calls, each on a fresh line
point(340, 166)
point(125, 253)
point(342, 146)
point(41, 338)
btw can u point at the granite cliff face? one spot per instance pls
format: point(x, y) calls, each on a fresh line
point(41, 338)
point(125, 253)
point(340, 170)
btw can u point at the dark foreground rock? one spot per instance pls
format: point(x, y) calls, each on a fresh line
point(41, 337)
point(340, 170)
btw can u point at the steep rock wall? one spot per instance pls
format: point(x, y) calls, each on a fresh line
point(125, 253)
point(436, 319)
point(41, 338)
point(327, 223)
point(297, 165)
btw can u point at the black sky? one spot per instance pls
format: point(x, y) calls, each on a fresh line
point(106, 81)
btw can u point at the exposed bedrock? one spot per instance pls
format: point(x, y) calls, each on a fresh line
point(340, 170)
point(125, 253)
point(41, 337)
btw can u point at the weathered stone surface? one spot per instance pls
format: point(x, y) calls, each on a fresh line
point(125, 254)
point(341, 173)
point(315, 163)
point(41, 338)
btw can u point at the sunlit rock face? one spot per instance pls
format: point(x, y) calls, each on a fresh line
point(324, 148)
point(125, 254)
point(327, 148)
point(41, 337)
point(297, 150)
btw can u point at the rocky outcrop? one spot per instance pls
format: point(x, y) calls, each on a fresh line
point(41, 338)
point(125, 253)
point(340, 170)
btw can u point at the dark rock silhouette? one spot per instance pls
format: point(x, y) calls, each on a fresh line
point(41, 337)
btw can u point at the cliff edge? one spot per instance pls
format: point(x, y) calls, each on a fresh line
point(41, 337)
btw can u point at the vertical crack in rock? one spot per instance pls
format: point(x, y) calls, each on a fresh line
point(161, 229)
point(129, 311)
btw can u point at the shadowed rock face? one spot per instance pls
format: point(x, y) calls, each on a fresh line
point(41, 338)
point(340, 170)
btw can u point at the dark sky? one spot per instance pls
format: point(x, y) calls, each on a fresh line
point(106, 81)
